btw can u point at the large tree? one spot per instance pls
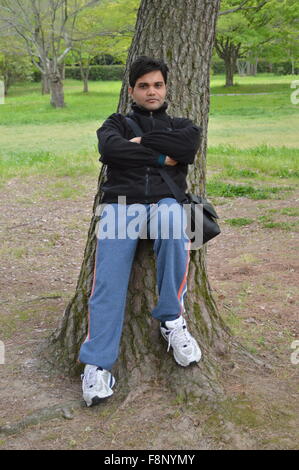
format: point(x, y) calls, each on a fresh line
point(118, 17)
point(185, 43)
point(14, 65)
point(46, 29)
point(254, 29)
point(240, 31)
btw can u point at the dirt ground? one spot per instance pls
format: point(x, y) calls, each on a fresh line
point(254, 273)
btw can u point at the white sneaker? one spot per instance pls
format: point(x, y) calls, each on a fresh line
point(97, 384)
point(185, 347)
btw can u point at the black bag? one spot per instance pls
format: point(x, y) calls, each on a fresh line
point(202, 215)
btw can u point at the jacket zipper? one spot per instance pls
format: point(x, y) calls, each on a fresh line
point(148, 168)
point(146, 180)
point(152, 119)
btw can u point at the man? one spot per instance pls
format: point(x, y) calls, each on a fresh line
point(133, 164)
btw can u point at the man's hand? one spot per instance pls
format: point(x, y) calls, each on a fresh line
point(168, 160)
point(136, 139)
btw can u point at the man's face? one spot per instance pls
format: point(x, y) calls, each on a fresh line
point(149, 90)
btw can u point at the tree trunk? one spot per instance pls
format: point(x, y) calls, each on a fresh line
point(45, 85)
point(61, 68)
point(242, 66)
point(186, 45)
point(252, 68)
point(229, 71)
point(85, 82)
point(230, 53)
point(57, 93)
point(293, 65)
point(84, 76)
point(6, 84)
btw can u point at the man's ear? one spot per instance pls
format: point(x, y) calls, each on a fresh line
point(130, 89)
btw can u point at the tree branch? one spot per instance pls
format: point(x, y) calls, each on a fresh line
point(241, 7)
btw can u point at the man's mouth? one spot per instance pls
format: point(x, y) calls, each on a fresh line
point(152, 99)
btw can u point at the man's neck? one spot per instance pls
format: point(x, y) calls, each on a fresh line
point(147, 112)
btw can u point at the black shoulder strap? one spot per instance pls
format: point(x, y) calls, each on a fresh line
point(179, 195)
point(134, 126)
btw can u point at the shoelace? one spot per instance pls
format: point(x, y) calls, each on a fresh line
point(180, 336)
point(90, 377)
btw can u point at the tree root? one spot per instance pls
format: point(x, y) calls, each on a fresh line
point(64, 410)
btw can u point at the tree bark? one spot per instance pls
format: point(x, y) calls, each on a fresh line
point(56, 89)
point(229, 71)
point(61, 68)
point(85, 85)
point(186, 45)
point(57, 93)
point(293, 65)
point(45, 84)
point(252, 68)
point(230, 53)
point(242, 67)
point(84, 76)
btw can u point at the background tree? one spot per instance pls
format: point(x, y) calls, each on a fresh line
point(240, 30)
point(46, 30)
point(14, 64)
point(228, 43)
point(282, 23)
point(118, 17)
point(253, 29)
point(186, 45)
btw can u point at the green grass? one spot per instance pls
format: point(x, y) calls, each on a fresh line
point(220, 188)
point(247, 121)
point(24, 164)
point(26, 105)
point(266, 221)
point(250, 137)
point(255, 162)
point(239, 221)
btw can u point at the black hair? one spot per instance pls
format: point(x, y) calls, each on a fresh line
point(144, 64)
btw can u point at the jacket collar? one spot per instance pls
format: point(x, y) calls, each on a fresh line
point(141, 110)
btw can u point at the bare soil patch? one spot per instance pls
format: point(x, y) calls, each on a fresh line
point(253, 273)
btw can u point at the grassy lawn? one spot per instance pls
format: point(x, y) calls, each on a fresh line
point(48, 177)
point(249, 135)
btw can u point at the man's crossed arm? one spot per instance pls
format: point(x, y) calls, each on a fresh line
point(156, 148)
point(167, 161)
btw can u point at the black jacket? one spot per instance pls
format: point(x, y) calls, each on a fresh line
point(132, 169)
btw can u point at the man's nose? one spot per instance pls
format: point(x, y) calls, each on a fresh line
point(151, 91)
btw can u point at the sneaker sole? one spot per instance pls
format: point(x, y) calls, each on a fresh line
point(97, 400)
point(191, 363)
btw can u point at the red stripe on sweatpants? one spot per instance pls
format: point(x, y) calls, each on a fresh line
point(93, 286)
point(185, 275)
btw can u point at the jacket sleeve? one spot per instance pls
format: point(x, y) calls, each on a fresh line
point(181, 144)
point(119, 152)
